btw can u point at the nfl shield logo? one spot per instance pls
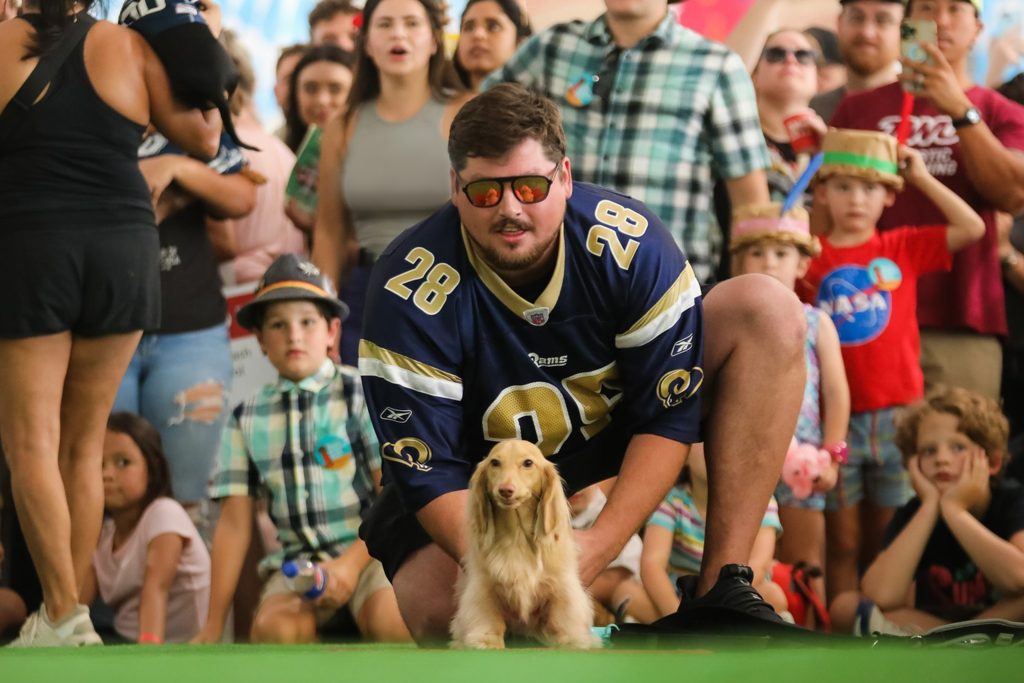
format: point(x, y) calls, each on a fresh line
point(536, 316)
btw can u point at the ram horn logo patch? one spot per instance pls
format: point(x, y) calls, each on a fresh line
point(410, 452)
point(676, 386)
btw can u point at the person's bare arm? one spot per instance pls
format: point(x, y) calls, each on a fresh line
point(230, 544)
point(748, 189)
point(996, 171)
point(197, 132)
point(162, 558)
point(835, 393)
point(1011, 259)
point(224, 196)
point(650, 467)
point(221, 233)
point(333, 235)
point(446, 520)
point(1000, 560)
point(965, 225)
point(654, 569)
point(343, 574)
point(763, 553)
point(890, 576)
point(764, 17)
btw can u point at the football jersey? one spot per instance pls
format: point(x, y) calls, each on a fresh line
point(453, 360)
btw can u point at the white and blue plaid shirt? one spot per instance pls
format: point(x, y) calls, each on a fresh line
point(667, 117)
point(311, 446)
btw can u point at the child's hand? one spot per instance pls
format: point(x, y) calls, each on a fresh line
point(827, 480)
point(972, 489)
point(925, 489)
point(818, 125)
point(159, 172)
point(207, 636)
point(341, 584)
point(912, 166)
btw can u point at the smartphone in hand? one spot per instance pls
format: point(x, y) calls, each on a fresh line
point(913, 33)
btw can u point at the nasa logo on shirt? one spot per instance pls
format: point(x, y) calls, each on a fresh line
point(859, 299)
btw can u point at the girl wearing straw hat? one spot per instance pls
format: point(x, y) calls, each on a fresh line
point(867, 282)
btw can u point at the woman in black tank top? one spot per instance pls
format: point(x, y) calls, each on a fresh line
point(78, 268)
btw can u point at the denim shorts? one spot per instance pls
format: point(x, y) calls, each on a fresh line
point(875, 469)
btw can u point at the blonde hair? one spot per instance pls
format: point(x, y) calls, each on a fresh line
point(978, 417)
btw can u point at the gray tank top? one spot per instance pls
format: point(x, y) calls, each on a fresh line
point(395, 174)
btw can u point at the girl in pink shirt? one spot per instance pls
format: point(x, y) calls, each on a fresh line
point(150, 565)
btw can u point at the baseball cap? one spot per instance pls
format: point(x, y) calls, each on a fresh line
point(289, 278)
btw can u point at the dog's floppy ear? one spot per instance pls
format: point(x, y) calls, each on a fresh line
point(481, 509)
point(552, 508)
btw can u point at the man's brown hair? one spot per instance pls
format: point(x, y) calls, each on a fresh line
point(325, 10)
point(495, 122)
point(978, 417)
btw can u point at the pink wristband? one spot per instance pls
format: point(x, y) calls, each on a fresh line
point(150, 639)
point(839, 451)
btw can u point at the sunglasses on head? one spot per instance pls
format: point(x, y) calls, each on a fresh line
point(777, 55)
point(528, 189)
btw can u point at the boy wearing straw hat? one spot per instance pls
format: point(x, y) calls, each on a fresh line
point(867, 282)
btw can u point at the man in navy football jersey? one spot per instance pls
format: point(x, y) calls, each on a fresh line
point(563, 313)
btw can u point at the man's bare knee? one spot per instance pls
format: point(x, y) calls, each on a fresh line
point(425, 589)
point(282, 629)
point(757, 307)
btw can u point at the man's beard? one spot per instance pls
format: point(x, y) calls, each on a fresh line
point(503, 259)
point(866, 66)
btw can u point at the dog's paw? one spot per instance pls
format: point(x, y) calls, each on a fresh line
point(480, 641)
point(585, 640)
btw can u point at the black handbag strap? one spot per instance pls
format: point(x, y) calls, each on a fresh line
point(17, 109)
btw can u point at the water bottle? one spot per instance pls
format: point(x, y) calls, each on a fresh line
point(306, 578)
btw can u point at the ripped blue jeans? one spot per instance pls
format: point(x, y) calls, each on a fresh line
point(180, 383)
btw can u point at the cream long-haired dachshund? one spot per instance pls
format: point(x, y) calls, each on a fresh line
point(520, 571)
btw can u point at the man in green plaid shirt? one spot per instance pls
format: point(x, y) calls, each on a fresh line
point(655, 111)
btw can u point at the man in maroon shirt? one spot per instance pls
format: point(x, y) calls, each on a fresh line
point(972, 140)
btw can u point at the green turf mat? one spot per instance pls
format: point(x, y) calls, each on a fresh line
point(371, 663)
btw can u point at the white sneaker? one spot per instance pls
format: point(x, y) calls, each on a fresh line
point(73, 630)
point(870, 621)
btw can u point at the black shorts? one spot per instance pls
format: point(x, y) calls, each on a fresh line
point(91, 281)
point(392, 534)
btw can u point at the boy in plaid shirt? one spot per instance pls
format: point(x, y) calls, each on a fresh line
point(308, 442)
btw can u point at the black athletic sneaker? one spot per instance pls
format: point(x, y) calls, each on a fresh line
point(731, 608)
point(731, 596)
